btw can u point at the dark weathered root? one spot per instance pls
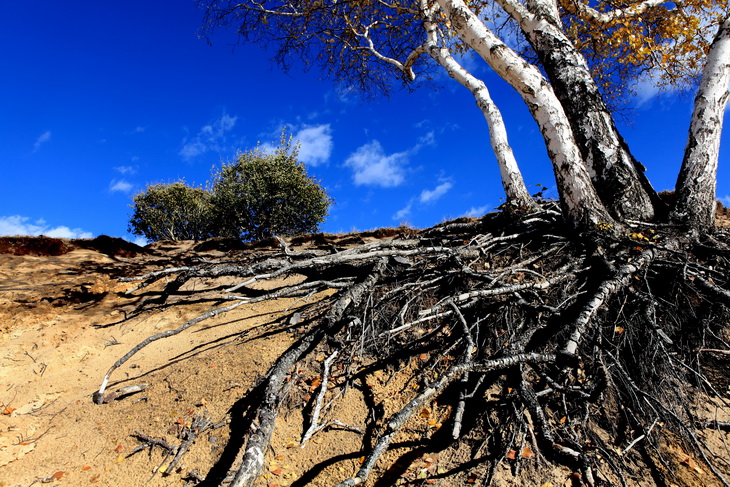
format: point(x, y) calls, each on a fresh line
point(258, 440)
point(596, 344)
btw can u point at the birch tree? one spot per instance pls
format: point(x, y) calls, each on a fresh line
point(599, 181)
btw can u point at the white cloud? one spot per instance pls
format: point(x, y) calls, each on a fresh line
point(141, 241)
point(427, 139)
point(42, 139)
point(210, 137)
point(120, 186)
point(404, 212)
point(430, 195)
point(20, 225)
point(126, 169)
point(476, 211)
point(646, 90)
point(315, 144)
point(725, 200)
point(427, 196)
point(65, 232)
point(372, 167)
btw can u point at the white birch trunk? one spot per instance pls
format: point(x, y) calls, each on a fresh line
point(514, 185)
point(580, 203)
point(696, 185)
point(623, 187)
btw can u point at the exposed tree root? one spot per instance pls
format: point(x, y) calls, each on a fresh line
point(594, 344)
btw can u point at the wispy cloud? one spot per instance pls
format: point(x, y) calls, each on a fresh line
point(404, 212)
point(646, 90)
point(427, 196)
point(42, 139)
point(211, 137)
point(126, 169)
point(431, 195)
point(315, 144)
point(725, 200)
point(371, 166)
point(20, 225)
point(476, 211)
point(120, 186)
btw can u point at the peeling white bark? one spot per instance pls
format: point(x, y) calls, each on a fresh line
point(612, 168)
point(696, 186)
point(512, 181)
point(580, 202)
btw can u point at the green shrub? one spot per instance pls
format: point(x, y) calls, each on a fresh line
point(260, 195)
point(257, 196)
point(172, 212)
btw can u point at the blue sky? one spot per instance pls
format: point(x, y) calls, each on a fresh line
point(99, 99)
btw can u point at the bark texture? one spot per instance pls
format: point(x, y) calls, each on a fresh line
point(512, 181)
point(580, 203)
point(696, 185)
point(619, 179)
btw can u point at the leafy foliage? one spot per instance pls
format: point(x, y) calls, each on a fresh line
point(257, 196)
point(261, 195)
point(172, 212)
point(644, 39)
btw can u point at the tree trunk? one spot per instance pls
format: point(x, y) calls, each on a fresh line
point(695, 191)
point(518, 196)
point(580, 203)
point(619, 179)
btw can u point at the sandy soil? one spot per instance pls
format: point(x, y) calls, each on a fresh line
point(62, 326)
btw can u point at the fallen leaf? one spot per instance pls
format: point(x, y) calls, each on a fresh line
point(292, 444)
point(277, 471)
point(119, 448)
point(86, 467)
point(619, 329)
point(95, 478)
point(8, 411)
point(425, 413)
point(527, 453)
point(315, 384)
point(119, 459)
point(423, 356)
point(58, 475)
point(547, 484)
point(512, 454)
